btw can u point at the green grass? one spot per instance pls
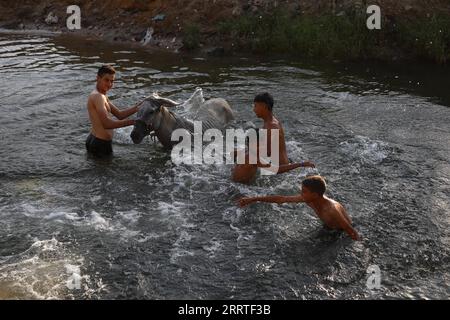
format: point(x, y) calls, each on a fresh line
point(191, 37)
point(427, 38)
point(337, 37)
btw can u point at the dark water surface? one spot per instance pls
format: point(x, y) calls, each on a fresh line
point(142, 227)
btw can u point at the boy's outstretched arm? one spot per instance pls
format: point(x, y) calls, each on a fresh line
point(288, 167)
point(272, 199)
point(285, 167)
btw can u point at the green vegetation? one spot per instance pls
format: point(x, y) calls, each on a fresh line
point(427, 38)
point(191, 37)
point(338, 37)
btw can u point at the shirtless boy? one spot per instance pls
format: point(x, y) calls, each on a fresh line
point(99, 141)
point(245, 173)
point(331, 212)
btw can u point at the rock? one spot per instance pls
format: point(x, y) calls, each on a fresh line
point(51, 18)
point(237, 11)
point(21, 26)
point(216, 52)
point(147, 37)
point(159, 17)
point(253, 9)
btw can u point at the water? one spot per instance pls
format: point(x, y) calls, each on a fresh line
point(141, 227)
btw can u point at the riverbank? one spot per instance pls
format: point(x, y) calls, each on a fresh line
point(331, 30)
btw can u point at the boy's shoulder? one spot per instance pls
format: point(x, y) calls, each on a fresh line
point(335, 203)
point(272, 124)
point(96, 96)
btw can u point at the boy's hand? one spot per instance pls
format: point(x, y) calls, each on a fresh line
point(245, 201)
point(354, 235)
point(308, 164)
point(138, 105)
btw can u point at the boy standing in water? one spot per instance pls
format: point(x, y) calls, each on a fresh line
point(99, 141)
point(244, 173)
point(331, 212)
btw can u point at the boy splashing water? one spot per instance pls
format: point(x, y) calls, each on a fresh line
point(331, 212)
point(246, 172)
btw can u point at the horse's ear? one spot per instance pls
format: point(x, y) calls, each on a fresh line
point(165, 101)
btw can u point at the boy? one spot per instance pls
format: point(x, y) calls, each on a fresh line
point(99, 141)
point(332, 213)
point(245, 173)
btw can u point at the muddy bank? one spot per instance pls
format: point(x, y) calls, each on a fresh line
point(411, 29)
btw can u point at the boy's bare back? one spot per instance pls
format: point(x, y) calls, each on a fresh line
point(332, 213)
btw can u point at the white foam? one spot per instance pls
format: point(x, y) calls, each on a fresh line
point(123, 226)
point(178, 249)
point(214, 247)
point(264, 267)
point(72, 216)
point(195, 101)
point(122, 135)
point(124, 222)
point(96, 198)
point(175, 214)
point(131, 217)
point(98, 222)
point(366, 150)
point(42, 272)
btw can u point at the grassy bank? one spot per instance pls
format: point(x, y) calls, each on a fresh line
point(339, 37)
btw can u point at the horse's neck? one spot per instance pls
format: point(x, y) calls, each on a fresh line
point(182, 123)
point(169, 123)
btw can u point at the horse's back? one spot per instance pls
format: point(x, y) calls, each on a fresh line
point(218, 109)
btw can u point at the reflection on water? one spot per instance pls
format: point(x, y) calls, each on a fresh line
point(140, 227)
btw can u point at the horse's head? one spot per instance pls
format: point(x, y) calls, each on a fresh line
point(149, 117)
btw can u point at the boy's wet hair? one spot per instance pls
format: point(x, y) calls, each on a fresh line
point(315, 184)
point(265, 98)
point(105, 69)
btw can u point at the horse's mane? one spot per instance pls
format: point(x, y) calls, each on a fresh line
point(182, 122)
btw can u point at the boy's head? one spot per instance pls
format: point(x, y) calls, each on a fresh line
point(313, 188)
point(263, 104)
point(105, 78)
